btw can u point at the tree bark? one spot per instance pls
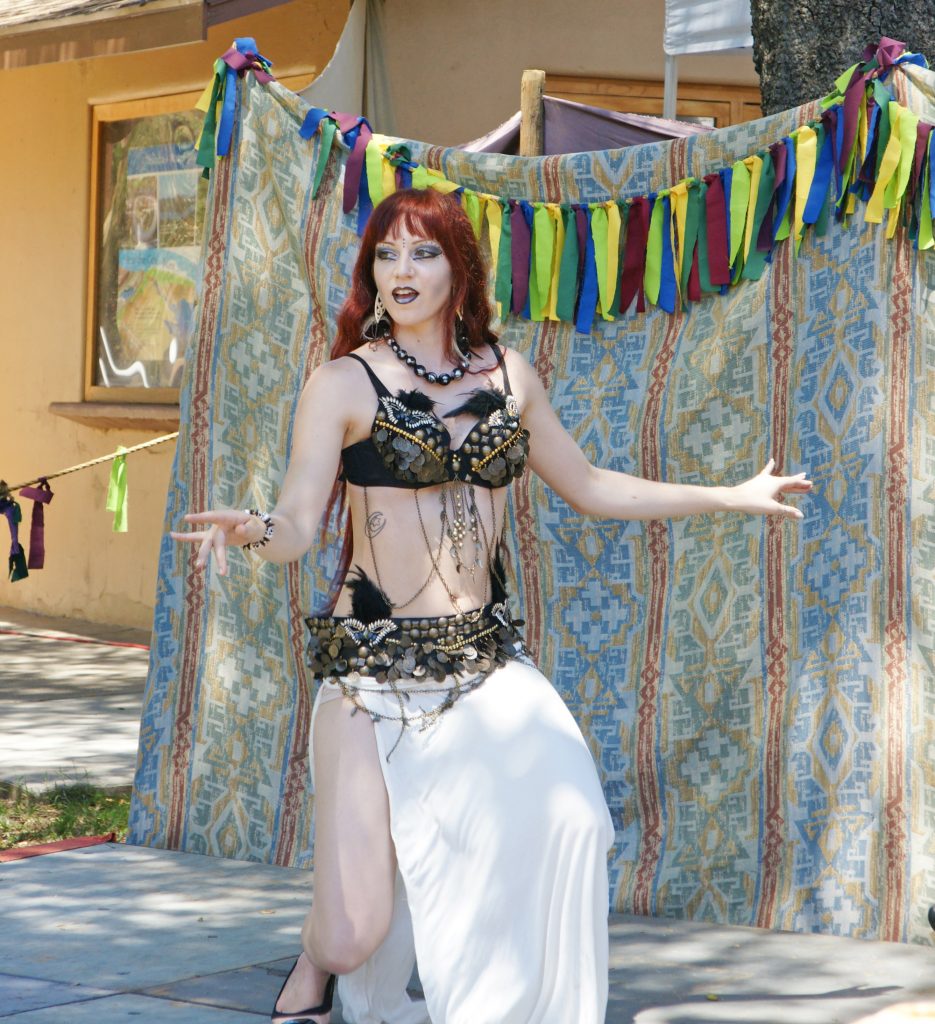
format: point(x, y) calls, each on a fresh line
point(801, 46)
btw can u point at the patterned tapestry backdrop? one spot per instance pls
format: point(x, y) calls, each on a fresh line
point(759, 696)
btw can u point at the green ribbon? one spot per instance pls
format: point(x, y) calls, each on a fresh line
point(599, 237)
point(568, 270)
point(117, 490)
point(756, 260)
point(652, 275)
point(503, 289)
point(540, 270)
point(328, 129)
point(694, 212)
point(471, 203)
point(704, 271)
point(206, 144)
point(739, 200)
point(926, 239)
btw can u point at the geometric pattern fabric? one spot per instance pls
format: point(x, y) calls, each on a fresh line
point(759, 695)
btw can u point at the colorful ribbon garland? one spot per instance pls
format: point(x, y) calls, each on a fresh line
point(574, 261)
point(219, 100)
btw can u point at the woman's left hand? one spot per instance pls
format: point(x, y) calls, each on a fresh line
point(760, 494)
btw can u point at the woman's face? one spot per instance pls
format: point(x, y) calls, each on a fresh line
point(413, 276)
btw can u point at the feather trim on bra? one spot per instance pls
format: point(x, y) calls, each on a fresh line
point(481, 403)
point(416, 399)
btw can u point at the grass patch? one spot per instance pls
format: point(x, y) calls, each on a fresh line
point(62, 812)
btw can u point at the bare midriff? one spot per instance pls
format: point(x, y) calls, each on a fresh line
point(415, 565)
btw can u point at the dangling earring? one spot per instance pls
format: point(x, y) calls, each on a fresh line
point(462, 341)
point(377, 327)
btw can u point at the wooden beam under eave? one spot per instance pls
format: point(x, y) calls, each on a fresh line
point(106, 33)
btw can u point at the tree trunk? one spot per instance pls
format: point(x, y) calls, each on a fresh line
point(801, 46)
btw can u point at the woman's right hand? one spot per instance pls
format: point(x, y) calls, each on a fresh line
point(221, 527)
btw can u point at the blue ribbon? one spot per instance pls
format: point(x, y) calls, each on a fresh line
point(667, 288)
point(931, 195)
point(364, 203)
point(228, 110)
point(726, 175)
point(528, 216)
point(819, 190)
point(312, 120)
point(587, 304)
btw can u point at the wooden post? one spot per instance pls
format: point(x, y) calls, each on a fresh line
point(532, 115)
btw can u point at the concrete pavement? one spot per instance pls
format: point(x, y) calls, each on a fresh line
point(115, 933)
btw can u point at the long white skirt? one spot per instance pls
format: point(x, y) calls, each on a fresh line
point(501, 833)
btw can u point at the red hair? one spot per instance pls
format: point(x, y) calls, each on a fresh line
point(437, 217)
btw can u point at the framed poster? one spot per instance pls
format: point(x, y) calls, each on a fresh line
point(147, 219)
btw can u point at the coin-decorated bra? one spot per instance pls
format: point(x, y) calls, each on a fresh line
point(409, 446)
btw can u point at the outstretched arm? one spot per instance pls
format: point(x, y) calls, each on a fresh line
point(317, 438)
point(557, 459)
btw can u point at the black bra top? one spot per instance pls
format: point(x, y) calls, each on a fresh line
point(409, 446)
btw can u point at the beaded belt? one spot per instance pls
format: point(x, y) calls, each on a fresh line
point(426, 649)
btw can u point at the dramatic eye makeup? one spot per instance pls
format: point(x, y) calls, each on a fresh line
point(420, 251)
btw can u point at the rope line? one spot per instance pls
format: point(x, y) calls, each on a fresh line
point(4, 488)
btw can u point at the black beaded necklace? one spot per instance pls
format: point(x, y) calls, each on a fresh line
point(420, 371)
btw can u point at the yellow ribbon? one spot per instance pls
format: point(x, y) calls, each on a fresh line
point(896, 191)
point(888, 166)
point(754, 165)
point(678, 201)
point(374, 159)
point(555, 212)
point(613, 251)
point(806, 155)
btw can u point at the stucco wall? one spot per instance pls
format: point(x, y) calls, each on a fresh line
point(91, 573)
point(455, 73)
point(455, 69)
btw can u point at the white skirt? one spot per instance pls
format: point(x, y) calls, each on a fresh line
point(501, 834)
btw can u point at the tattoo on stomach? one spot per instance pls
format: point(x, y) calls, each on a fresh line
point(375, 523)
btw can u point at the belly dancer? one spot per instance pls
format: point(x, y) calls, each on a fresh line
point(457, 805)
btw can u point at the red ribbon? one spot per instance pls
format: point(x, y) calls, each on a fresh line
point(716, 222)
point(634, 256)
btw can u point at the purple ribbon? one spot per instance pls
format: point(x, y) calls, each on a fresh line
point(519, 256)
point(40, 497)
point(357, 133)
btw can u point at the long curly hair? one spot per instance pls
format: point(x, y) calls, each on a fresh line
point(440, 218)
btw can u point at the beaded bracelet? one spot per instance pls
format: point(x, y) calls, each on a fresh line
point(265, 518)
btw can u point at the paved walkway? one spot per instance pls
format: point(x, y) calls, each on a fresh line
point(57, 691)
point(114, 933)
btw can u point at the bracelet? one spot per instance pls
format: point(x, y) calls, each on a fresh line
point(265, 518)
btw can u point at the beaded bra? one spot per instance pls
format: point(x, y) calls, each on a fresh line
point(409, 446)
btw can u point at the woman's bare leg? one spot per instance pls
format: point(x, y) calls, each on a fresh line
point(355, 863)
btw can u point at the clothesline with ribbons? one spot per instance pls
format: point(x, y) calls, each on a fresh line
point(575, 261)
point(40, 493)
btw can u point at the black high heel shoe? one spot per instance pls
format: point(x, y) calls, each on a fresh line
point(304, 1016)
